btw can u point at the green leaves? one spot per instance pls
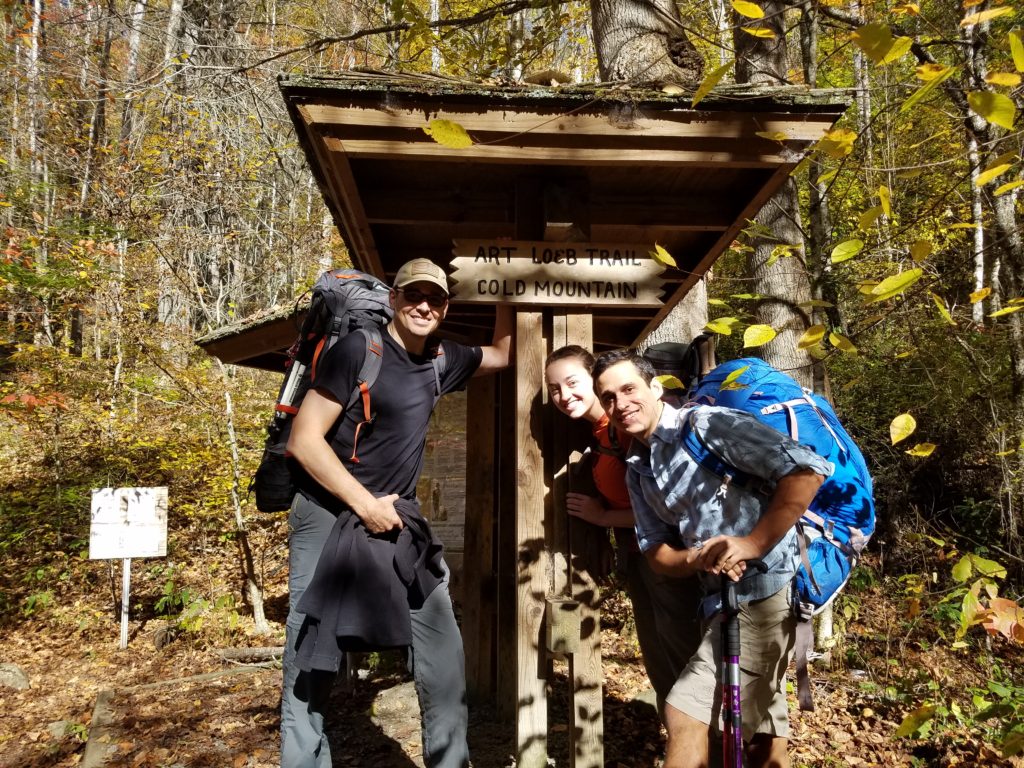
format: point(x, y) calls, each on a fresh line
point(913, 722)
point(894, 285)
point(842, 343)
point(846, 250)
point(971, 563)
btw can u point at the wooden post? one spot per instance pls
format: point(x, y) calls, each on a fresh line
point(480, 603)
point(585, 672)
point(531, 549)
point(506, 645)
point(126, 577)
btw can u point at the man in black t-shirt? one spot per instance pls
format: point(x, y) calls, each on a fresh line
point(375, 489)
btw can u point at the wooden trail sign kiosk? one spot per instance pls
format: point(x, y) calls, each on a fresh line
point(554, 208)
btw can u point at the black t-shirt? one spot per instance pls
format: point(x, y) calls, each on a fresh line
point(390, 452)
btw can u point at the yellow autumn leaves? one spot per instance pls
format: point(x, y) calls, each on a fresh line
point(901, 428)
point(878, 44)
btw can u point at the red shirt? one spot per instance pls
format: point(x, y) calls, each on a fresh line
point(610, 471)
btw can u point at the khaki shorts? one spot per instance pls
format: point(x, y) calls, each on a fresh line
point(767, 630)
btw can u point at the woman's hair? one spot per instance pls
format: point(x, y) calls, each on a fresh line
point(571, 351)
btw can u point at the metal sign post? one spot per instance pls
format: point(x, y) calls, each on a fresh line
point(127, 523)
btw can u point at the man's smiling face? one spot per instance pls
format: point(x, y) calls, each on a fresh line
point(419, 308)
point(632, 405)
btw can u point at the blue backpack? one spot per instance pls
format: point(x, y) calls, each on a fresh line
point(840, 520)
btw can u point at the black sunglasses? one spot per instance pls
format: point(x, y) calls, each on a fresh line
point(436, 300)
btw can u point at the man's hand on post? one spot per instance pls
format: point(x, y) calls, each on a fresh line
point(727, 555)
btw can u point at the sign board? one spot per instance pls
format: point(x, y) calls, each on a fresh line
point(128, 522)
point(581, 274)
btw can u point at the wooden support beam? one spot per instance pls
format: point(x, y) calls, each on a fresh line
point(711, 254)
point(479, 603)
point(348, 209)
point(531, 548)
point(617, 121)
point(747, 157)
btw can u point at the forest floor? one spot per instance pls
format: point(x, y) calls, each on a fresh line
point(184, 705)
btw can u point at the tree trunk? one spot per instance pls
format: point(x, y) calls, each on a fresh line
point(98, 120)
point(252, 586)
point(1008, 235)
point(978, 251)
point(643, 41)
point(686, 320)
point(762, 59)
point(131, 73)
point(172, 36)
point(783, 280)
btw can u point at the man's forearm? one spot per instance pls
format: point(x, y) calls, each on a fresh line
point(793, 494)
point(668, 561)
point(323, 465)
point(498, 355)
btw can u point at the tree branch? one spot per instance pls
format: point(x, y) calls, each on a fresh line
point(504, 8)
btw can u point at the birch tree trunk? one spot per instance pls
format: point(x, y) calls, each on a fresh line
point(252, 585)
point(978, 251)
point(131, 73)
point(98, 119)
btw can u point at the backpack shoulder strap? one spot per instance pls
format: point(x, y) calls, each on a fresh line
point(614, 447)
point(804, 645)
point(369, 370)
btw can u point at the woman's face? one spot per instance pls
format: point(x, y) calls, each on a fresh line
point(570, 387)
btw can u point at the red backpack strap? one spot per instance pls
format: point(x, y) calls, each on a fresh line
point(368, 373)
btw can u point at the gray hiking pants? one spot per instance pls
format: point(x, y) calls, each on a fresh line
point(436, 660)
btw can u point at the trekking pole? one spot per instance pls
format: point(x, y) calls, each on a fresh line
point(732, 730)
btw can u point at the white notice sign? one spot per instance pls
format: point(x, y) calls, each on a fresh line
point(128, 522)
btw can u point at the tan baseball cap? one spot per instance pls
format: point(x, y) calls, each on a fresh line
point(421, 271)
